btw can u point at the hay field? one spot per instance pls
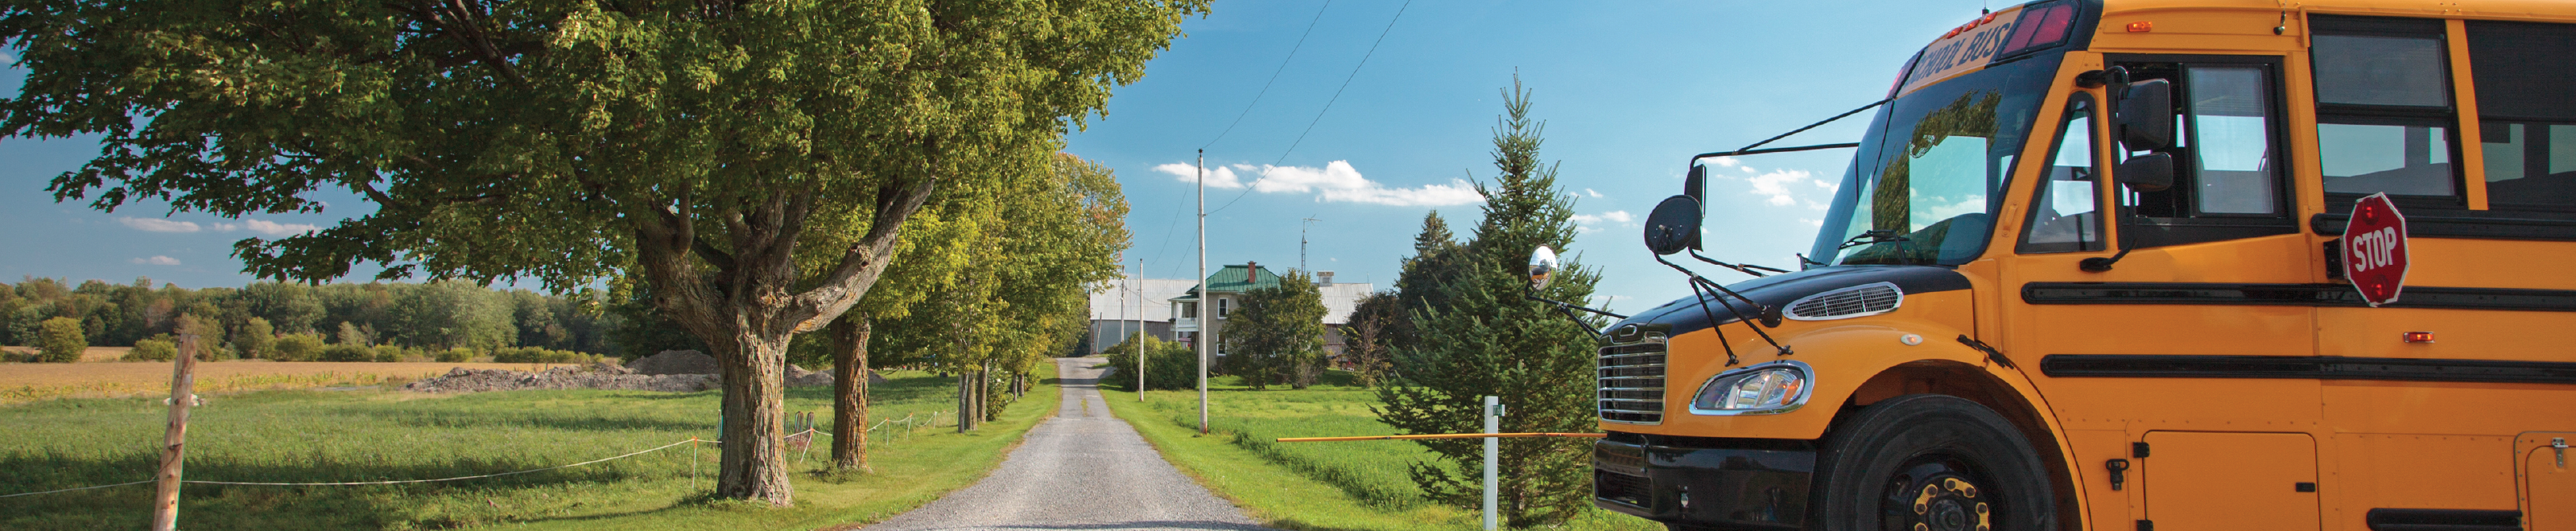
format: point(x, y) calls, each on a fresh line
point(22, 382)
point(93, 354)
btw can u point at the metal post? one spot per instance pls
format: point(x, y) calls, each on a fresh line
point(183, 386)
point(1493, 420)
point(1207, 323)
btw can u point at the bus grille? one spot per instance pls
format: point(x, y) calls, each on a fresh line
point(1632, 382)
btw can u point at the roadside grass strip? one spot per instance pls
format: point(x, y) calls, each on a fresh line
point(1357, 485)
point(541, 453)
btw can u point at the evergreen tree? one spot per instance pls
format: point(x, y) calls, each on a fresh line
point(1367, 338)
point(1424, 280)
point(1489, 340)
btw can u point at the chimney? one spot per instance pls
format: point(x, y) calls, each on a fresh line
point(1251, 272)
point(1323, 277)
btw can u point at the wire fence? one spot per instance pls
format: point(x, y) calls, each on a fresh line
point(803, 441)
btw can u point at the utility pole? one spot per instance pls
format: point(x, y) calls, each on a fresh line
point(1140, 331)
point(1207, 323)
point(1301, 244)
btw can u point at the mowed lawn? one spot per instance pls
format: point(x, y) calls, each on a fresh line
point(327, 436)
point(1358, 485)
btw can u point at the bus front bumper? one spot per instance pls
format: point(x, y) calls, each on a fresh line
point(1704, 482)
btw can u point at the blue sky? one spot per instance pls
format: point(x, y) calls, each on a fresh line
point(1627, 89)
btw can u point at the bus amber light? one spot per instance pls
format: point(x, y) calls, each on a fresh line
point(2142, 26)
point(2419, 337)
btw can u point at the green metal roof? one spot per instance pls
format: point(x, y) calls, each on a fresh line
point(1234, 279)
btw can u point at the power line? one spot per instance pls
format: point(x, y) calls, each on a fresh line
point(1346, 82)
point(1274, 75)
point(1328, 103)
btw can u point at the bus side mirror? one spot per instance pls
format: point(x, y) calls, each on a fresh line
point(1673, 224)
point(1542, 265)
point(2152, 172)
point(2146, 115)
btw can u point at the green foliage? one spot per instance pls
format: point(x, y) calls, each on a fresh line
point(156, 349)
point(61, 340)
point(1277, 336)
point(453, 313)
point(1368, 339)
point(299, 347)
point(1423, 282)
point(540, 355)
point(455, 355)
point(390, 353)
point(1490, 341)
point(1168, 364)
point(347, 352)
point(254, 338)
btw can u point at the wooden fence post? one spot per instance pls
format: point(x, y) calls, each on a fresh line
point(183, 383)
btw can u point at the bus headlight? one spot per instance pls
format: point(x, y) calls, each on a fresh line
point(1776, 387)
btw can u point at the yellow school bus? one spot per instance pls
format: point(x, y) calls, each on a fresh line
point(2084, 273)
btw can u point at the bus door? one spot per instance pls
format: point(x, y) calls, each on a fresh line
point(2158, 341)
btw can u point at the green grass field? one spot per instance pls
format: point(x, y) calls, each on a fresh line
point(325, 436)
point(1360, 485)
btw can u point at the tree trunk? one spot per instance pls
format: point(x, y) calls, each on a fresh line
point(754, 464)
point(850, 392)
point(965, 421)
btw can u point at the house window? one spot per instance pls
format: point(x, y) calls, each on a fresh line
point(1222, 307)
point(2384, 118)
point(1189, 310)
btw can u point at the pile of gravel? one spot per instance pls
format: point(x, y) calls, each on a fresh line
point(676, 362)
point(600, 376)
point(606, 375)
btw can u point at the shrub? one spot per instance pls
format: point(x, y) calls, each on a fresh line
point(60, 340)
point(539, 355)
point(347, 352)
point(1168, 364)
point(455, 355)
point(299, 347)
point(158, 348)
point(255, 337)
point(390, 353)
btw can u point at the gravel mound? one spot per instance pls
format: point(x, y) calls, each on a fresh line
point(676, 362)
point(464, 380)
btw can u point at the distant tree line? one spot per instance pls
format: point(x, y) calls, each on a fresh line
point(443, 320)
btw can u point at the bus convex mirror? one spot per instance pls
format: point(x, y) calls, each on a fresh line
point(1542, 266)
point(2152, 172)
point(1670, 227)
point(2146, 115)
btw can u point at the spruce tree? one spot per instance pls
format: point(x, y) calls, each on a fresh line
point(1424, 281)
point(1489, 340)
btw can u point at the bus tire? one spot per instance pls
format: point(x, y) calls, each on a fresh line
point(1941, 461)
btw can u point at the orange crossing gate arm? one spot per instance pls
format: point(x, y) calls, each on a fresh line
point(1441, 436)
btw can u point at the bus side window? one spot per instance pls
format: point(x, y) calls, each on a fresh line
point(2229, 183)
point(2384, 115)
point(2064, 217)
point(2526, 112)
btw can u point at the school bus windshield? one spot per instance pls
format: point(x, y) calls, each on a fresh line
point(1925, 185)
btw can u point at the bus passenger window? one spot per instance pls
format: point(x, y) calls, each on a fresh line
point(2064, 217)
point(2527, 112)
point(2231, 127)
point(2384, 108)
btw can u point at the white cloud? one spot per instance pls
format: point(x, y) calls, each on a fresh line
point(1218, 177)
point(157, 260)
point(1337, 181)
point(6, 59)
point(1729, 162)
point(278, 229)
point(259, 226)
point(1775, 185)
point(1593, 193)
point(1590, 223)
point(159, 225)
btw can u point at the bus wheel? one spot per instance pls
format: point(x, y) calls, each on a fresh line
point(1930, 463)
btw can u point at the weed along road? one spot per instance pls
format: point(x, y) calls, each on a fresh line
point(1083, 469)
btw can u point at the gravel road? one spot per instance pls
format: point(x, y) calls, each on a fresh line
point(1083, 469)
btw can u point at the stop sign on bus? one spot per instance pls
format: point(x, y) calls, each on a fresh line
point(2374, 249)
